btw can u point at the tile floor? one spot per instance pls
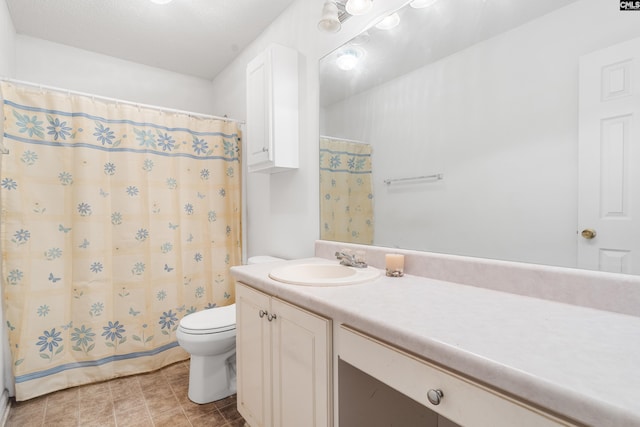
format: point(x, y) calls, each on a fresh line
point(155, 399)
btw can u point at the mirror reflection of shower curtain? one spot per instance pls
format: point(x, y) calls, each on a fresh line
point(346, 193)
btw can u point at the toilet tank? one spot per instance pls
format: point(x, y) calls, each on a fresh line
point(261, 259)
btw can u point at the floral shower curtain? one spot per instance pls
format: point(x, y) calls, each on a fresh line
point(346, 194)
point(116, 222)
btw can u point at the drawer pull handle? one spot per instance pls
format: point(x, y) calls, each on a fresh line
point(262, 313)
point(435, 396)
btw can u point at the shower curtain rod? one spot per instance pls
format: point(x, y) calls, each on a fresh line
point(118, 101)
point(333, 138)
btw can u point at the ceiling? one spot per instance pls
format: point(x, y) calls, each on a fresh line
point(424, 36)
point(193, 37)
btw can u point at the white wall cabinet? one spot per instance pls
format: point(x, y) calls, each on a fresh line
point(284, 362)
point(272, 110)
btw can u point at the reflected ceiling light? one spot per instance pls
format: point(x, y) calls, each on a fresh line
point(389, 22)
point(160, 1)
point(329, 21)
point(419, 4)
point(358, 7)
point(349, 57)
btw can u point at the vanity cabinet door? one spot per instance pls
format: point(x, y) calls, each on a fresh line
point(253, 356)
point(284, 362)
point(301, 367)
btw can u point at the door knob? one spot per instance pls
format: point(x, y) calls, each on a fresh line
point(588, 233)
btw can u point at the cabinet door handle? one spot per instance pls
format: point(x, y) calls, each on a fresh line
point(271, 317)
point(265, 149)
point(262, 313)
point(435, 396)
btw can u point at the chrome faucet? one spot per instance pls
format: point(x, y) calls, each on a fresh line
point(350, 260)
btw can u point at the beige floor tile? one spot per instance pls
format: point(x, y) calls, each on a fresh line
point(193, 410)
point(137, 417)
point(31, 411)
point(172, 418)
point(231, 400)
point(124, 386)
point(156, 399)
point(152, 380)
point(128, 403)
point(63, 397)
point(208, 420)
point(230, 412)
point(92, 390)
point(99, 409)
point(160, 400)
point(61, 418)
point(25, 420)
point(61, 408)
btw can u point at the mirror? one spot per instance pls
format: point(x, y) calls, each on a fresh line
point(465, 120)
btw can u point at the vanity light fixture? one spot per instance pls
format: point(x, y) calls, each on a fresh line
point(329, 21)
point(358, 7)
point(419, 4)
point(349, 57)
point(389, 22)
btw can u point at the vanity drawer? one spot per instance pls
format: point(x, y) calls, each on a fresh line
point(463, 401)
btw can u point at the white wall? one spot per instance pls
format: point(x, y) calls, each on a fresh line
point(53, 64)
point(7, 42)
point(500, 120)
point(283, 208)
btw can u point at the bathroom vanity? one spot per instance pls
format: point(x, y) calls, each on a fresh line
point(283, 360)
point(454, 353)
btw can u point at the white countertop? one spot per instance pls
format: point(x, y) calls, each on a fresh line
point(579, 362)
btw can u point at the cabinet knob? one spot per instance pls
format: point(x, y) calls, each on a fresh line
point(271, 317)
point(262, 313)
point(265, 149)
point(435, 396)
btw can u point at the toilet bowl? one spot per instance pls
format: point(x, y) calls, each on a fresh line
point(210, 337)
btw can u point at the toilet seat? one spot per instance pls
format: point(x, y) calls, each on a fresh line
point(210, 321)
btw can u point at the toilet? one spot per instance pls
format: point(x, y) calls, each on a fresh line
point(210, 337)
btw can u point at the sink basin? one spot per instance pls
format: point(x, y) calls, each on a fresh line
point(323, 274)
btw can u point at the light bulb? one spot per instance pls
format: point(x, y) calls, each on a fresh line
point(358, 7)
point(329, 21)
point(348, 59)
point(389, 22)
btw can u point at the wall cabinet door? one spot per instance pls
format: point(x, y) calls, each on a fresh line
point(272, 110)
point(284, 362)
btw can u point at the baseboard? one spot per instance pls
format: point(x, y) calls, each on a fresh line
point(5, 407)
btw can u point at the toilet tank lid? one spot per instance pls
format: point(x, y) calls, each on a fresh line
point(217, 318)
point(260, 259)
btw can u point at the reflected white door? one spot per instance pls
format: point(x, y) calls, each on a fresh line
point(609, 159)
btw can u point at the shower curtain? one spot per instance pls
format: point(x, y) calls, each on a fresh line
point(346, 195)
point(117, 221)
